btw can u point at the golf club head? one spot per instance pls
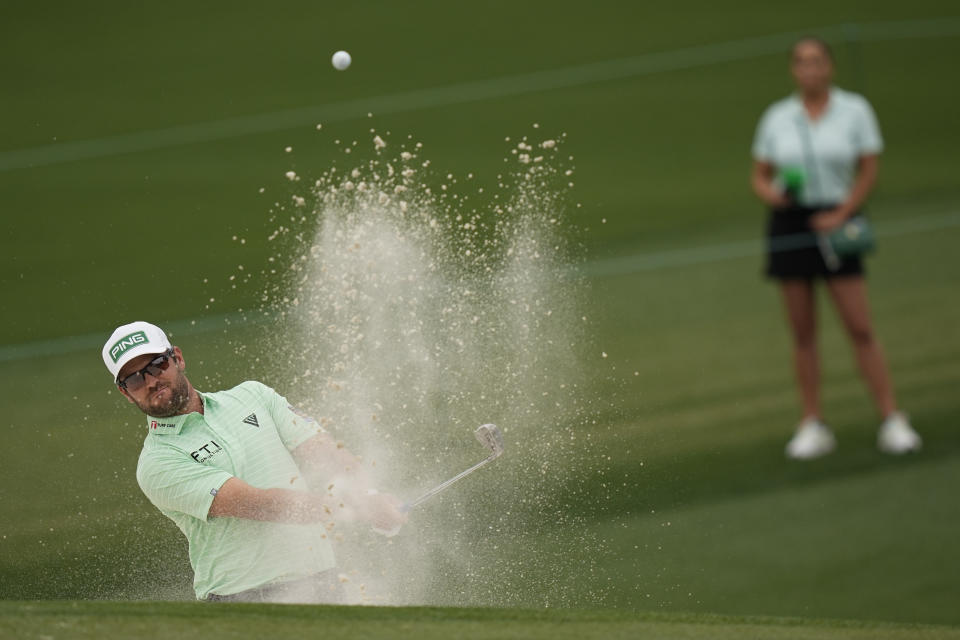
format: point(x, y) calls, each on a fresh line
point(490, 437)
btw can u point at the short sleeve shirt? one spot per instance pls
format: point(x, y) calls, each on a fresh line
point(825, 150)
point(246, 432)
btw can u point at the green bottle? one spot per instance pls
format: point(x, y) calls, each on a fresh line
point(793, 179)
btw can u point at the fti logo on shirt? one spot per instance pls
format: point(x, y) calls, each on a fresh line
point(206, 452)
point(154, 425)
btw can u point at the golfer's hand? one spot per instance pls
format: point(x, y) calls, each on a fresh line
point(384, 513)
point(828, 220)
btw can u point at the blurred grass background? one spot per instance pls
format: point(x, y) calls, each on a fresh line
point(714, 519)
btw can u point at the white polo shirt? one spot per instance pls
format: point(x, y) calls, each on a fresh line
point(826, 150)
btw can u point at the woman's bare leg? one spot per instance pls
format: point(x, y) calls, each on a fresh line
point(849, 295)
point(800, 302)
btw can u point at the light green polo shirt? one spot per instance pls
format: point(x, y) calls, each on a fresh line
point(247, 432)
point(826, 150)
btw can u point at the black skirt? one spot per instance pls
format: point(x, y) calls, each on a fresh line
point(792, 249)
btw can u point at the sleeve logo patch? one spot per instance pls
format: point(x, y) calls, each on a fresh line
point(252, 420)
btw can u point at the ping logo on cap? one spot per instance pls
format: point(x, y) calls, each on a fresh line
point(127, 342)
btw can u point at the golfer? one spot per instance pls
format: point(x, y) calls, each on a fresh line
point(256, 487)
point(831, 139)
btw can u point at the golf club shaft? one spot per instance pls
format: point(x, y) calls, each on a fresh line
point(440, 487)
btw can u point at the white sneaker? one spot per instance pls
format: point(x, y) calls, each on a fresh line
point(896, 436)
point(812, 440)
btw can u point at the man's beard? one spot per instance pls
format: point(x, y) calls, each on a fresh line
point(173, 405)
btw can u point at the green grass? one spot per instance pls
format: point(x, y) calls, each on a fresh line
point(29, 621)
point(684, 494)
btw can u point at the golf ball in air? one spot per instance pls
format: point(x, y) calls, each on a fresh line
point(341, 60)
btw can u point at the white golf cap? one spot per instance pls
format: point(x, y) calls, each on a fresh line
point(132, 340)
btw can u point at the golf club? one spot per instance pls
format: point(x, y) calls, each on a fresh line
point(491, 438)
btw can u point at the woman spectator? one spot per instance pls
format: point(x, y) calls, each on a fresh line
point(815, 162)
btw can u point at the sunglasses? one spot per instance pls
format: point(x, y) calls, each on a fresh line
point(137, 379)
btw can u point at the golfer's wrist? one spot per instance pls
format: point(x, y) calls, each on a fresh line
point(314, 506)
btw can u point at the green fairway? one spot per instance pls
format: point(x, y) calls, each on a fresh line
point(35, 621)
point(141, 157)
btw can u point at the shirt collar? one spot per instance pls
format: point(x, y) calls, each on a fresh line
point(798, 102)
point(174, 424)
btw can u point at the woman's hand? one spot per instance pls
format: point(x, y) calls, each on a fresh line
point(827, 221)
point(761, 179)
point(778, 199)
point(834, 219)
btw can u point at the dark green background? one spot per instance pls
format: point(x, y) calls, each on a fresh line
point(715, 519)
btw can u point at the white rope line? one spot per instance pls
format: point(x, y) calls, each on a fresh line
point(624, 265)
